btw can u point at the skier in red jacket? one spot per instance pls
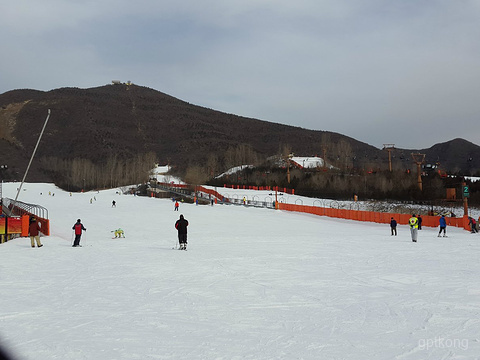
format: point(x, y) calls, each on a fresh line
point(78, 227)
point(34, 230)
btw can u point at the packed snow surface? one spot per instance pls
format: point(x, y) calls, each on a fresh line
point(254, 284)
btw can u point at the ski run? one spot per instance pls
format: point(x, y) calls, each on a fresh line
point(254, 284)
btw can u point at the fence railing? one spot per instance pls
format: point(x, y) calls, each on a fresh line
point(22, 210)
point(322, 207)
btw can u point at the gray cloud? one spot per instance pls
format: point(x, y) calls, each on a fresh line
point(379, 71)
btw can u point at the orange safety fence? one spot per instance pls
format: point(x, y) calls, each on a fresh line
point(373, 216)
point(358, 215)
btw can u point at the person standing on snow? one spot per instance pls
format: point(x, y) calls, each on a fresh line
point(34, 230)
point(419, 222)
point(176, 206)
point(413, 222)
point(393, 226)
point(181, 226)
point(473, 225)
point(443, 226)
point(78, 227)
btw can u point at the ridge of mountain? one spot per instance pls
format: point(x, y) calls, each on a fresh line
point(128, 120)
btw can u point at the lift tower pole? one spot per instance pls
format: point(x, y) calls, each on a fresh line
point(389, 148)
point(31, 159)
point(419, 159)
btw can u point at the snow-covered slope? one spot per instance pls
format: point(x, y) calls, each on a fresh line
point(254, 284)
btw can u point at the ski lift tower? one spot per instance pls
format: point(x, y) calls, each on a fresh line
point(389, 148)
point(324, 150)
point(419, 159)
point(287, 158)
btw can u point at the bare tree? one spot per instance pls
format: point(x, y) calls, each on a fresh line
point(195, 175)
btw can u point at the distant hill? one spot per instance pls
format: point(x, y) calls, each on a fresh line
point(125, 121)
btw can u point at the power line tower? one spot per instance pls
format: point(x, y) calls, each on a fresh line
point(389, 148)
point(419, 159)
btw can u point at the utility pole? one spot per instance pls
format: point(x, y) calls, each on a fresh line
point(465, 195)
point(288, 168)
point(419, 159)
point(31, 159)
point(324, 149)
point(389, 148)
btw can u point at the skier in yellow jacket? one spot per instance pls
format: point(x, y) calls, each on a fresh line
point(413, 222)
point(119, 233)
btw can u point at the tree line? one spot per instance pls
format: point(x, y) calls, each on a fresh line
point(83, 174)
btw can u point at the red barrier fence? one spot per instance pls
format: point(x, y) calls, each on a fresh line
point(358, 215)
point(373, 216)
point(210, 192)
point(19, 225)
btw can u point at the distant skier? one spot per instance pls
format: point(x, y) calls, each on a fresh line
point(119, 233)
point(78, 227)
point(413, 222)
point(181, 226)
point(419, 222)
point(393, 226)
point(34, 230)
point(443, 226)
point(114, 204)
point(176, 206)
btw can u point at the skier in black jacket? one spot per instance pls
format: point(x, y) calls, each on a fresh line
point(393, 226)
point(181, 226)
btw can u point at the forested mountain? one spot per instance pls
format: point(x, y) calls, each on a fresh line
point(116, 128)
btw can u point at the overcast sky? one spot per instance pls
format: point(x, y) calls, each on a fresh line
point(381, 71)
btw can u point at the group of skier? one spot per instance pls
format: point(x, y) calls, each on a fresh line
point(78, 228)
point(415, 224)
point(181, 226)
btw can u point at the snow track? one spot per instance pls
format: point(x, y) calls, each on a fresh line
point(255, 284)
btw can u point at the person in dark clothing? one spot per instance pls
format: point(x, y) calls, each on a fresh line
point(419, 222)
point(393, 226)
point(78, 227)
point(181, 226)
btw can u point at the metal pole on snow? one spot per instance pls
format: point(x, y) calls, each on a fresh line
point(31, 159)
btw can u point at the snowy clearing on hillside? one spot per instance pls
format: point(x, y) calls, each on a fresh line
point(254, 284)
point(160, 174)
